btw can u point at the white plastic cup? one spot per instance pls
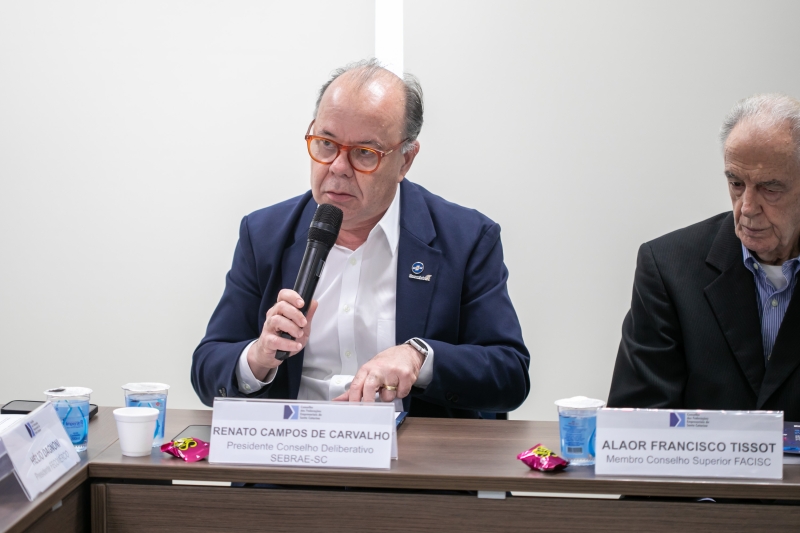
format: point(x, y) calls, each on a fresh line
point(577, 424)
point(135, 426)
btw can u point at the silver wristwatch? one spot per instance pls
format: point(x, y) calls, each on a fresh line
point(419, 345)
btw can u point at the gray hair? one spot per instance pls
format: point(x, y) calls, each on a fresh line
point(368, 69)
point(769, 110)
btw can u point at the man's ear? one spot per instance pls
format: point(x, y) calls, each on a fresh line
point(408, 159)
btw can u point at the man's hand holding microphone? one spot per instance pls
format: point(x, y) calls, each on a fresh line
point(286, 316)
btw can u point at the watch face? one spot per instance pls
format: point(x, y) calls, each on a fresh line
point(419, 346)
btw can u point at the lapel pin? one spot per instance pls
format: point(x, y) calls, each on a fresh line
point(417, 269)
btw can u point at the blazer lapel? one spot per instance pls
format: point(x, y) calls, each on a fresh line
point(292, 257)
point(413, 294)
point(732, 297)
point(785, 354)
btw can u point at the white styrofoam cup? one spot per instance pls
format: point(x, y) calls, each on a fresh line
point(135, 426)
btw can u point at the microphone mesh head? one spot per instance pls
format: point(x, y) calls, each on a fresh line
point(330, 215)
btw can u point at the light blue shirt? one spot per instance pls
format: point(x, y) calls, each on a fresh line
point(772, 302)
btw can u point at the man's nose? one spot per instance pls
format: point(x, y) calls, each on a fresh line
point(750, 205)
point(341, 165)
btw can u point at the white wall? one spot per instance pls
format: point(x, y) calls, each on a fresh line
point(134, 137)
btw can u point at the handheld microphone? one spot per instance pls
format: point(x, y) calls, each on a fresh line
point(322, 235)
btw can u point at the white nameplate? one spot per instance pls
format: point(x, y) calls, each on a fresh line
point(294, 433)
point(656, 442)
point(40, 450)
point(6, 422)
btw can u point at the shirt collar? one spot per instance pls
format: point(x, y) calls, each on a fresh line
point(390, 223)
point(748, 258)
point(789, 268)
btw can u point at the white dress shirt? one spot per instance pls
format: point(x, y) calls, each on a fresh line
point(355, 319)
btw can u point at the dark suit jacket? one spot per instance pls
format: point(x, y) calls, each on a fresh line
point(692, 338)
point(464, 311)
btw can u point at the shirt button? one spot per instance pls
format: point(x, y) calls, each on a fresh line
point(353, 261)
point(348, 353)
point(246, 386)
point(346, 308)
point(755, 266)
point(774, 302)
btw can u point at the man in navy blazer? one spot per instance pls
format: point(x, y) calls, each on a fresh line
point(435, 267)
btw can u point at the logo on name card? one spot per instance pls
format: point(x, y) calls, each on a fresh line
point(32, 428)
point(677, 420)
point(291, 412)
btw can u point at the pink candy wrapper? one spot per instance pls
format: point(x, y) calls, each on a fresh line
point(190, 450)
point(540, 458)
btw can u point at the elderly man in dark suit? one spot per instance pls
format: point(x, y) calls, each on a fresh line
point(714, 323)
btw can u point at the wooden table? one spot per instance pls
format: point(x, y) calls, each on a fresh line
point(64, 507)
point(435, 455)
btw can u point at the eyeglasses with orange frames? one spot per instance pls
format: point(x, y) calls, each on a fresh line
point(362, 158)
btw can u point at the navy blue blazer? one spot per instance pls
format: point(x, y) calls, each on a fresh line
point(464, 311)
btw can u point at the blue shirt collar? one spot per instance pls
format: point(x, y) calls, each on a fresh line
point(789, 268)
